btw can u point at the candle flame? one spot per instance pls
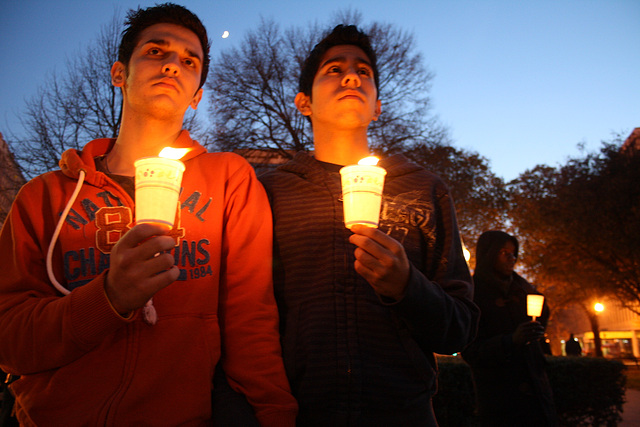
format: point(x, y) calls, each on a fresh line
point(368, 161)
point(173, 153)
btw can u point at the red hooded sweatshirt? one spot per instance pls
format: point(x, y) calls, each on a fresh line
point(79, 362)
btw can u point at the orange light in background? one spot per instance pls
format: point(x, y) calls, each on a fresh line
point(598, 307)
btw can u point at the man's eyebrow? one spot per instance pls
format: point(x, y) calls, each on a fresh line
point(163, 42)
point(342, 59)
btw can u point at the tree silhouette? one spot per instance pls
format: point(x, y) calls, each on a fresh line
point(71, 107)
point(74, 106)
point(481, 198)
point(579, 224)
point(253, 87)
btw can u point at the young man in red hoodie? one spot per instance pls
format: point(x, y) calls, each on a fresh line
point(124, 324)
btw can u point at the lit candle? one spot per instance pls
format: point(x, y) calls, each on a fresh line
point(158, 181)
point(362, 186)
point(534, 305)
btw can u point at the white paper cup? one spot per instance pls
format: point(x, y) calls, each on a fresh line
point(362, 194)
point(158, 183)
point(534, 305)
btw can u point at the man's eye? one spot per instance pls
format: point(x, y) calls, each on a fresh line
point(154, 51)
point(334, 69)
point(189, 62)
point(364, 71)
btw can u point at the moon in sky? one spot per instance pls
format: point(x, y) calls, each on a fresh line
point(225, 34)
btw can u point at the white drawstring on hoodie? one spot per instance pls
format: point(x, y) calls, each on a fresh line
point(149, 311)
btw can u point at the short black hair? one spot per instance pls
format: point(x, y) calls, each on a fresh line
point(166, 13)
point(340, 35)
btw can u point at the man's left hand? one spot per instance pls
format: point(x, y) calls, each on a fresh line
point(381, 260)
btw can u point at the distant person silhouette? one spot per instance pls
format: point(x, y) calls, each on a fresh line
point(572, 347)
point(506, 359)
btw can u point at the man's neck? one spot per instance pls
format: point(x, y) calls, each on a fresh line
point(340, 148)
point(135, 141)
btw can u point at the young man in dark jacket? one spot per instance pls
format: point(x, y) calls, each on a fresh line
point(362, 310)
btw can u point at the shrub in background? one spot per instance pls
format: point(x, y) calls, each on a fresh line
point(455, 402)
point(588, 391)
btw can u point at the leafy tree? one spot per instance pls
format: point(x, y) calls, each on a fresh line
point(74, 106)
point(480, 196)
point(579, 225)
point(253, 87)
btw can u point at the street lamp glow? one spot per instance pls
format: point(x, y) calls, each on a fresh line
point(598, 307)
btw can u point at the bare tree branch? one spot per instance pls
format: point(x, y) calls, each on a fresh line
point(254, 86)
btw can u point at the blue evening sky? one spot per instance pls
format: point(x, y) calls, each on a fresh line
point(522, 82)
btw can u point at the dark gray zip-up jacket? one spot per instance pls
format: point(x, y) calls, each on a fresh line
point(353, 358)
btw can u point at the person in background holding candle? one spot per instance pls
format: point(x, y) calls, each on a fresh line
point(507, 361)
point(85, 353)
point(363, 310)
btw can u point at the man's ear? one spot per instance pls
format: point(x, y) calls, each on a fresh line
point(378, 110)
point(196, 99)
point(118, 74)
point(303, 103)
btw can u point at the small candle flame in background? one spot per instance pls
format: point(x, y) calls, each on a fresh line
point(173, 153)
point(368, 161)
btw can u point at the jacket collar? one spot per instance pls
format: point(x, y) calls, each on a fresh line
point(304, 164)
point(73, 161)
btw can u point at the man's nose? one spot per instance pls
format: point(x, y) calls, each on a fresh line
point(171, 64)
point(351, 78)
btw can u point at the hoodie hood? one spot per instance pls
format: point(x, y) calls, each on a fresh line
point(487, 249)
point(73, 161)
